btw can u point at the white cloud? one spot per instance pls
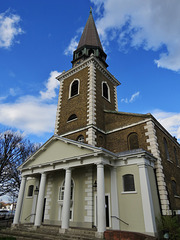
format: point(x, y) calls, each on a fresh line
point(9, 28)
point(72, 46)
point(51, 85)
point(132, 98)
point(149, 24)
point(32, 114)
point(170, 121)
point(29, 115)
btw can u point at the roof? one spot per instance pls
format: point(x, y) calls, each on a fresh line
point(90, 35)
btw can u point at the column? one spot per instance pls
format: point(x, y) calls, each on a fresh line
point(147, 202)
point(114, 199)
point(20, 200)
point(66, 201)
point(101, 215)
point(40, 202)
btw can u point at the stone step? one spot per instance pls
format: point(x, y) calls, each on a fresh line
point(47, 233)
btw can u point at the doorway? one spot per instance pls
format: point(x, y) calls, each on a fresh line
point(107, 210)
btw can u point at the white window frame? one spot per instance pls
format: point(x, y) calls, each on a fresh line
point(109, 98)
point(70, 86)
point(60, 202)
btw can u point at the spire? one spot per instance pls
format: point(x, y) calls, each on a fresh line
point(90, 35)
point(89, 44)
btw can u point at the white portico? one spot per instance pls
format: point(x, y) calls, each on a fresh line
point(73, 184)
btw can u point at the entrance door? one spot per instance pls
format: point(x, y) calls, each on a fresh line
point(43, 209)
point(107, 212)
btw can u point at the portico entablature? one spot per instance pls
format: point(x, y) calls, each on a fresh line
point(60, 153)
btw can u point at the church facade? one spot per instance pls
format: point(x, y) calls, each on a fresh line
point(102, 168)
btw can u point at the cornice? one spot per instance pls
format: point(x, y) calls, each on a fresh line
point(85, 64)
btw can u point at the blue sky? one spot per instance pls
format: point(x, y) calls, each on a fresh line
point(37, 37)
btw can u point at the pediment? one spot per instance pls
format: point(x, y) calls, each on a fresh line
point(57, 149)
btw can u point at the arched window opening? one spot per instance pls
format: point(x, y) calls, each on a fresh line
point(90, 52)
point(61, 198)
point(174, 187)
point(105, 91)
point(175, 155)
point(128, 183)
point(74, 88)
point(30, 191)
point(133, 142)
point(80, 54)
point(80, 138)
point(72, 117)
point(166, 149)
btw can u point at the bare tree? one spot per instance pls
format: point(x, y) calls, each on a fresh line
point(14, 149)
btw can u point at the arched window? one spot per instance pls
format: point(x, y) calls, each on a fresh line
point(30, 191)
point(128, 183)
point(166, 149)
point(72, 117)
point(61, 198)
point(133, 142)
point(105, 91)
point(90, 52)
point(74, 88)
point(80, 138)
point(175, 155)
point(174, 187)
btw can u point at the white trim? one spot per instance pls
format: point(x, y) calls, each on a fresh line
point(129, 192)
point(114, 199)
point(88, 207)
point(70, 86)
point(115, 98)
point(109, 97)
point(154, 148)
point(85, 64)
point(147, 202)
point(58, 112)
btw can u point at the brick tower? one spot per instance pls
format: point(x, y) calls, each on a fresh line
point(86, 90)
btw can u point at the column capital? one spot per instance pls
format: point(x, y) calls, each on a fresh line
point(68, 169)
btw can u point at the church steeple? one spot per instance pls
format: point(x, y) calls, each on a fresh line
point(89, 44)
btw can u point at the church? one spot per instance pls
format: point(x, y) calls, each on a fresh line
point(102, 169)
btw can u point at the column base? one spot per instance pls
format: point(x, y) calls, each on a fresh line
point(99, 235)
point(14, 225)
point(63, 230)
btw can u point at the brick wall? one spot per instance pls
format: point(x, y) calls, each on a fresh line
point(122, 235)
point(170, 168)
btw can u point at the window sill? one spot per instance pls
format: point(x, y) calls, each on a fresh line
point(177, 196)
point(130, 192)
point(74, 96)
point(72, 120)
point(170, 161)
point(29, 197)
point(106, 99)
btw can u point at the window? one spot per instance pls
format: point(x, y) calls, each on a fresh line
point(166, 149)
point(174, 187)
point(105, 91)
point(133, 142)
point(175, 155)
point(74, 88)
point(80, 138)
point(128, 183)
point(61, 198)
point(72, 117)
point(30, 191)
